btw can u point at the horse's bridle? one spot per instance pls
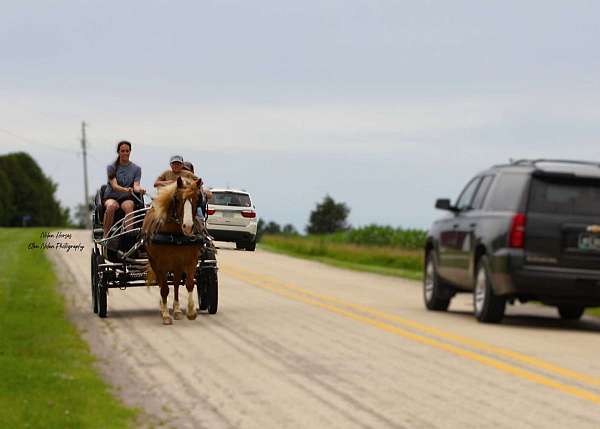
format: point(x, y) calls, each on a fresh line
point(173, 216)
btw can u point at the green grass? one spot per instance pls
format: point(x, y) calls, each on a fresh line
point(593, 311)
point(47, 377)
point(387, 260)
point(382, 235)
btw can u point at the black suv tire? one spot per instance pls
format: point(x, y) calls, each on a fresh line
point(570, 312)
point(436, 294)
point(487, 306)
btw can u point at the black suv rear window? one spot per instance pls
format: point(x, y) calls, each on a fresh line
point(507, 192)
point(229, 199)
point(482, 192)
point(565, 197)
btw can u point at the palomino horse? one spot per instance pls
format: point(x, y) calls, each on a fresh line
point(171, 215)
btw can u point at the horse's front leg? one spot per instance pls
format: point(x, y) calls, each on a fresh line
point(189, 285)
point(164, 293)
point(176, 308)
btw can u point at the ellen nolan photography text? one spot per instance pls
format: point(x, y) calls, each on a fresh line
point(56, 241)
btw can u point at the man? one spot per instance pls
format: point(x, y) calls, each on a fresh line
point(179, 168)
point(170, 176)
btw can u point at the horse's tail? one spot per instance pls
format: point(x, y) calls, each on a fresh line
point(150, 275)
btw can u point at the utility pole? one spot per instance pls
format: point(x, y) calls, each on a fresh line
point(85, 175)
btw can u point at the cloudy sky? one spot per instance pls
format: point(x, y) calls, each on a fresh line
point(385, 105)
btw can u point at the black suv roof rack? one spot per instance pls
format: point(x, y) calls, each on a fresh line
point(533, 162)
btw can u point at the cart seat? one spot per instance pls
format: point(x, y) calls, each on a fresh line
point(99, 207)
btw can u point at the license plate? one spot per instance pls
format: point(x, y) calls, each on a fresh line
point(589, 242)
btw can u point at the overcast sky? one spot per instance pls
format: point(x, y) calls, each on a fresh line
point(385, 105)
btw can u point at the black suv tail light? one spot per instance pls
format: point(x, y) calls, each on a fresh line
point(517, 231)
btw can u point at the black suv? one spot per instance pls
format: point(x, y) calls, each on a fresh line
point(528, 230)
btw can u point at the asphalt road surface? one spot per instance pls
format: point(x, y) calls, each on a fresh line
point(297, 344)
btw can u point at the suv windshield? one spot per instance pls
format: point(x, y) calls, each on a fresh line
point(230, 199)
point(565, 197)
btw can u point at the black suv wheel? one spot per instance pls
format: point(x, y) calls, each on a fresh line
point(488, 307)
point(570, 312)
point(436, 294)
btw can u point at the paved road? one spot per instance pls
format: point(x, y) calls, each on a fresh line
point(297, 344)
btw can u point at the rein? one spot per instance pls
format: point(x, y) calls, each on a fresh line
point(179, 240)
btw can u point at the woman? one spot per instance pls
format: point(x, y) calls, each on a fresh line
point(123, 178)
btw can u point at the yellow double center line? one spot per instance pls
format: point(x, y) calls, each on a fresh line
point(370, 317)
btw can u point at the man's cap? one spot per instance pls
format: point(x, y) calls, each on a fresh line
point(176, 158)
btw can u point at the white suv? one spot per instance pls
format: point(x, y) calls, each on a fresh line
point(232, 217)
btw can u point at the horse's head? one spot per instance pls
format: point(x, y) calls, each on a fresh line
point(184, 204)
point(175, 204)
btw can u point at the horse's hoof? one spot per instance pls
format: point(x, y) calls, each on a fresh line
point(167, 321)
point(177, 315)
point(192, 316)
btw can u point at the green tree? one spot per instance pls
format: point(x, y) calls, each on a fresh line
point(328, 217)
point(272, 228)
point(260, 229)
point(29, 193)
point(289, 229)
point(7, 209)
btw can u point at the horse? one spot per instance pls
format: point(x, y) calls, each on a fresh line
point(171, 245)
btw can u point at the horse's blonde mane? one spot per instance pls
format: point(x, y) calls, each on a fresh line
point(162, 201)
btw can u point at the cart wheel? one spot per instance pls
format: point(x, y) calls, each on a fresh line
point(101, 299)
point(212, 291)
point(201, 280)
point(94, 282)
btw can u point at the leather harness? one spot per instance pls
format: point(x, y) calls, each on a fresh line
point(177, 239)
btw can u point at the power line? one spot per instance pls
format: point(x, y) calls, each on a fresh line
point(34, 142)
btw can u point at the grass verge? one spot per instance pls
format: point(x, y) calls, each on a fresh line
point(386, 260)
point(48, 380)
point(593, 311)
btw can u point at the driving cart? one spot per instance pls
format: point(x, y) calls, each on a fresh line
point(119, 260)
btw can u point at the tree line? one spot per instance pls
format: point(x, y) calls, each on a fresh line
point(27, 198)
point(328, 217)
point(27, 195)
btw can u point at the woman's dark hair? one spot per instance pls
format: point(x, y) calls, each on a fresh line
point(121, 143)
